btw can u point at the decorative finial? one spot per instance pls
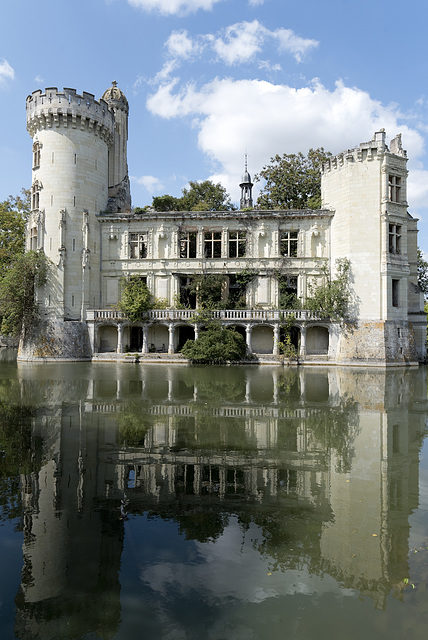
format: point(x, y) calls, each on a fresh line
point(114, 83)
point(246, 157)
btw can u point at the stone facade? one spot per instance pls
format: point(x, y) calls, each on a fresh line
point(82, 218)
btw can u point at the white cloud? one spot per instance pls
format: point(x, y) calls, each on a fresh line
point(288, 41)
point(255, 3)
point(39, 80)
point(179, 45)
point(151, 183)
point(241, 42)
point(233, 116)
point(6, 71)
point(173, 7)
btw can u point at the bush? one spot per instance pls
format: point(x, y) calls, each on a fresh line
point(215, 345)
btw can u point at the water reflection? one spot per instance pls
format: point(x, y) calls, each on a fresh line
point(314, 473)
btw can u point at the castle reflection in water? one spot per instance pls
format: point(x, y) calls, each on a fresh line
point(324, 461)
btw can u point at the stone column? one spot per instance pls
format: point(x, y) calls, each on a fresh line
point(302, 341)
point(171, 329)
point(119, 338)
point(248, 330)
point(145, 347)
point(276, 339)
point(196, 327)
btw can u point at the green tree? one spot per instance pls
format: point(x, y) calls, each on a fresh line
point(13, 217)
point(18, 302)
point(422, 273)
point(135, 299)
point(215, 345)
point(332, 298)
point(200, 196)
point(292, 181)
point(208, 289)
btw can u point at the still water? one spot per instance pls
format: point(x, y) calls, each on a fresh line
point(226, 503)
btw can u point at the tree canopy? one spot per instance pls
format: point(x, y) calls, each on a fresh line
point(292, 181)
point(215, 344)
point(200, 196)
point(422, 273)
point(13, 217)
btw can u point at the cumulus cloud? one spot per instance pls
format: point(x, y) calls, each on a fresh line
point(6, 71)
point(233, 116)
point(180, 45)
point(151, 183)
point(173, 7)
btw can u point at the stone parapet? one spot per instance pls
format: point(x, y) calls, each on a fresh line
point(68, 109)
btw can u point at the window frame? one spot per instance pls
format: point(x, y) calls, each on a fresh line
point(288, 243)
point(237, 244)
point(187, 243)
point(212, 244)
point(138, 245)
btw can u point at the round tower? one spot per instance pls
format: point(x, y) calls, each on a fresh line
point(71, 135)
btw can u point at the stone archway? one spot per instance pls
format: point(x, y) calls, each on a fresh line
point(262, 339)
point(107, 338)
point(317, 341)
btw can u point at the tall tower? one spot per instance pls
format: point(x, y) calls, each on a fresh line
point(246, 185)
point(118, 180)
point(71, 135)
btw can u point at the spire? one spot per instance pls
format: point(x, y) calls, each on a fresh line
point(246, 185)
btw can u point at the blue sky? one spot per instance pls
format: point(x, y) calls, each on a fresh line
point(209, 80)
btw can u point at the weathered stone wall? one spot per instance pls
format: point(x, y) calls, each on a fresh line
point(56, 340)
point(383, 342)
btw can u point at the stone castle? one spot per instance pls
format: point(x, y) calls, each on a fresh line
point(83, 220)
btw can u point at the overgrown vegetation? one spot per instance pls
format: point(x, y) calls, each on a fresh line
point(200, 196)
point(333, 296)
point(135, 299)
point(215, 345)
point(292, 181)
point(286, 347)
point(18, 286)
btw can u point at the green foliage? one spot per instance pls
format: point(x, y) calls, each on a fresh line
point(13, 217)
point(136, 298)
point(333, 296)
point(422, 273)
point(208, 289)
point(293, 181)
point(18, 305)
point(286, 346)
point(201, 196)
point(215, 345)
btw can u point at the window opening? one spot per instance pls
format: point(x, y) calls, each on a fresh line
point(394, 187)
point(212, 244)
point(138, 245)
point(237, 244)
point(33, 238)
point(395, 299)
point(288, 243)
point(188, 244)
point(395, 238)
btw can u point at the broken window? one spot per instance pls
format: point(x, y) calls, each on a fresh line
point(395, 238)
point(188, 244)
point(394, 188)
point(138, 245)
point(287, 289)
point(237, 244)
point(288, 243)
point(212, 244)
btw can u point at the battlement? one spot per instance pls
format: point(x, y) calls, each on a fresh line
point(375, 149)
point(68, 109)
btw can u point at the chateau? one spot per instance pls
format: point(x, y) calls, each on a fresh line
point(82, 219)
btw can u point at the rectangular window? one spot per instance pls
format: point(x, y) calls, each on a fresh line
point(395, 238)
point(138, 245)
point(188, 244)
point(33, 238)
point(212, 244)
point(288, 243)
point(237, 244)
point(35, 196)
point(36, 155)
point(395, 297)
point(394, 187)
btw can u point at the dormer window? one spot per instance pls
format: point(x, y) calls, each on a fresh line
point(394, 188)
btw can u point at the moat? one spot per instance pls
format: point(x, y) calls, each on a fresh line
point(173, 502)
